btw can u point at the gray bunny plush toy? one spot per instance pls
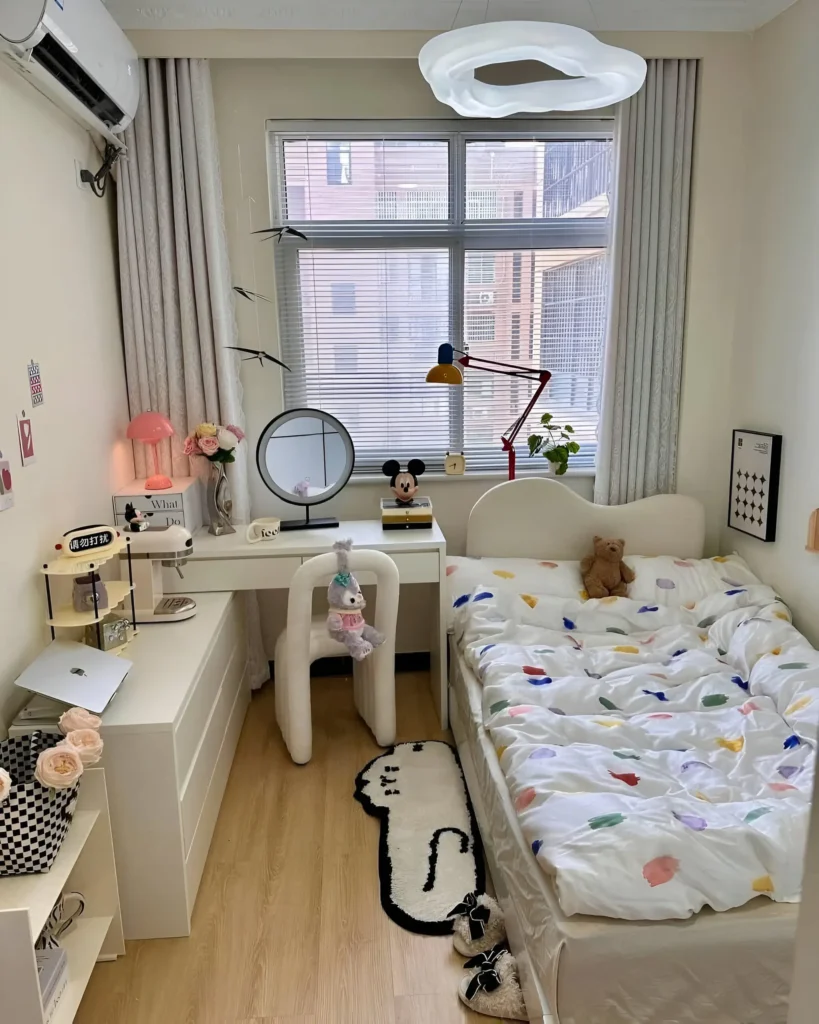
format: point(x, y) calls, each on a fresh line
point(344, 620)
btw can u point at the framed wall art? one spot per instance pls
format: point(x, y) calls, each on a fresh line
point(754, 494)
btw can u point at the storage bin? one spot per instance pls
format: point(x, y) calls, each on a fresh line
point(33, 820)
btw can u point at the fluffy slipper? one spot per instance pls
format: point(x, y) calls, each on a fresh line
point(478, 924)
point(492, 987)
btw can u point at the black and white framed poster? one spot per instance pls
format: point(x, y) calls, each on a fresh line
point(755, 461)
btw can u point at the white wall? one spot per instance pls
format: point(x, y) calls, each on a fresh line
point(60, 305)
point(776, 348)
point(775, 367)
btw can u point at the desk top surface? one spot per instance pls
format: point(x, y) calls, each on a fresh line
point(364, 533)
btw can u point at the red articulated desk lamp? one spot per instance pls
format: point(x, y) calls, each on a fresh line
point(446, 372)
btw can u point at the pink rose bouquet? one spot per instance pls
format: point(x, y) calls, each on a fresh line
point(215, 442)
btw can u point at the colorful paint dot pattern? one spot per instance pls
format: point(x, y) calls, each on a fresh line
point(629, 778)
point(529, 599)
point(798, 705)
point(522, 800)
point(763, 884)
point(758, 812)
point(606, 821)
point(626, 649)
point(660, 870)
point(504, 575)
point(541, 753)
point(692, 821)
point(714, 700)
point(666, 584)
point(733, 745)
point(608, 704)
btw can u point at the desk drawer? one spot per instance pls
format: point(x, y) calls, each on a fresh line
point(228, 645)
point(198, 780)
point(219, 574)
point(422, 567)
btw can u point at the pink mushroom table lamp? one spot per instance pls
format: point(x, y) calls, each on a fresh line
point(151, 428)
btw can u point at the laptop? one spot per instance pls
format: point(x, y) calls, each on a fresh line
point(76, 675)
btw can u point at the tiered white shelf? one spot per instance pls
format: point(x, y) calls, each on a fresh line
point(84, 864)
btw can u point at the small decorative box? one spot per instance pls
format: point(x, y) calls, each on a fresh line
point(411, 515)
point(179, 505)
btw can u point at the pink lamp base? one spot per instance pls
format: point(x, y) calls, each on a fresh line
point(158, 482)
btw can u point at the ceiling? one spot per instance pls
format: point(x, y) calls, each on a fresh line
point(440, 15)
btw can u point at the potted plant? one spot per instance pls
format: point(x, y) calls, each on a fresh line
point(556, 444)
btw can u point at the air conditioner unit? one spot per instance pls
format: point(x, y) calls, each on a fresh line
point(75, 53)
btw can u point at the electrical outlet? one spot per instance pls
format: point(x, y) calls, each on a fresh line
point(78, 168)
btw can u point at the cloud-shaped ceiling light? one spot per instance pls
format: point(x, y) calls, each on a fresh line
point(601, 74)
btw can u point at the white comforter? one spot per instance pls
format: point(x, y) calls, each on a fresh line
point(660, 758)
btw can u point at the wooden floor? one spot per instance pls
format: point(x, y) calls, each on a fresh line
point(288, 927)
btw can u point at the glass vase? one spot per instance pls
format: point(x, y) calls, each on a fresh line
point(219, 502)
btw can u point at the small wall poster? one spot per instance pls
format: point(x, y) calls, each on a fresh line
point(35, 384)
point(26, 439)
point(754, 496)
point(6, 489)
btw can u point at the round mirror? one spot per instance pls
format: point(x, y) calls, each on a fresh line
point(305, 456)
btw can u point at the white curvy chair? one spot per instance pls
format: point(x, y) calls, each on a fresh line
point(305, 639)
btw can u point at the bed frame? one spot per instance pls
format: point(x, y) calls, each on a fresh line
point(541, 518)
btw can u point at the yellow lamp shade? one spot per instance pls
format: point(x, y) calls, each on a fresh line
point(445, 372)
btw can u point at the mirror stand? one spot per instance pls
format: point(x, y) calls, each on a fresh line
point(307, 523)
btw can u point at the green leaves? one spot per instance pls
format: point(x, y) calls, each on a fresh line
point(555, 444)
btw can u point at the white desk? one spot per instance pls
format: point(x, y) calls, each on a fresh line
point(231, 563)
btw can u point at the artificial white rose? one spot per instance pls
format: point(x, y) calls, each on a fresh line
point(58, 767)
point(227, 441)
point(88, 744)
point(78, 718)
point(5, 785)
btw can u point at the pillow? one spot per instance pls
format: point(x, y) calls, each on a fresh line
point(674, 582)
point(512, 576)
point(659, 579)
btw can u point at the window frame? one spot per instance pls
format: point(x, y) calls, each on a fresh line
point(456, 233)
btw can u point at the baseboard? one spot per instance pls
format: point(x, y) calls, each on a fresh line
point(417, 661)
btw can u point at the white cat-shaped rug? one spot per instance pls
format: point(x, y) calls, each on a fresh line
point(430, 853)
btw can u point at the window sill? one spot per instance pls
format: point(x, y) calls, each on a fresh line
point(498, 476)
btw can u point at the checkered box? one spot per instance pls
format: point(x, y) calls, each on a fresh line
point(33, 820)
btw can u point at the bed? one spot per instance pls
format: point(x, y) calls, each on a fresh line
point(731, 967)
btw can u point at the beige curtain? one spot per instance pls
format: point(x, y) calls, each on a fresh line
point(177, 297)
point(637, 443)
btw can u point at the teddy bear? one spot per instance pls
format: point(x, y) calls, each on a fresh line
point(605, 573)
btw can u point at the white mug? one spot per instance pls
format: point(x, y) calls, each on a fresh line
point(263, 529)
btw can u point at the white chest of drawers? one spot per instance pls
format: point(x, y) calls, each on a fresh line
point(170, 735)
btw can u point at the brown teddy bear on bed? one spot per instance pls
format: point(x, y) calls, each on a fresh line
point(604, 573)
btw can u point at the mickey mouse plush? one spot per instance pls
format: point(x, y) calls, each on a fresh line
point(404, 485)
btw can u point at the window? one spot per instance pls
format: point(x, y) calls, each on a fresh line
point(494, 241)
point(342, 297)
point(338, 163)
